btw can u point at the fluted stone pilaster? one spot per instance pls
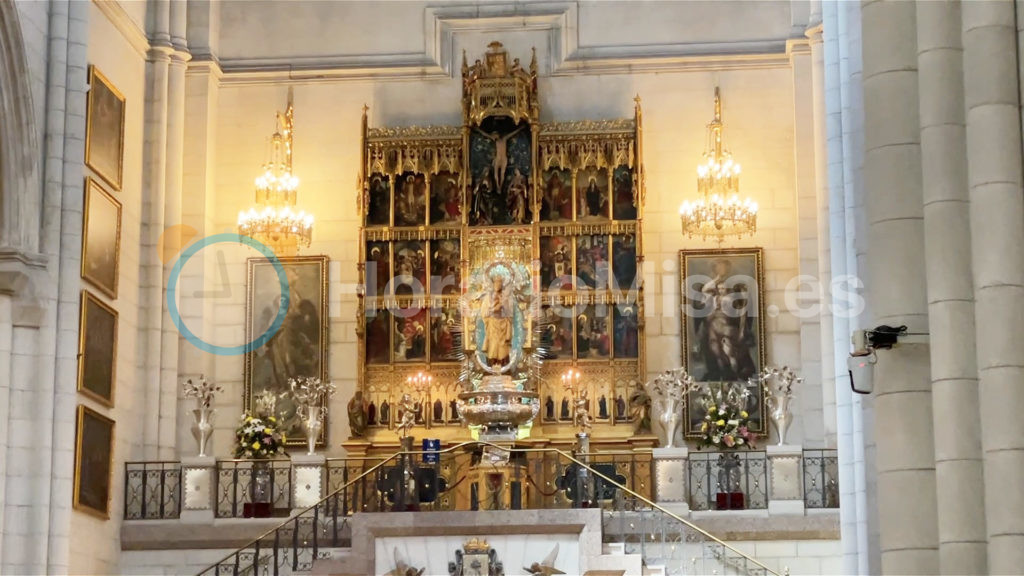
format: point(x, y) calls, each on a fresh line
point(959, 482)
point(892, 181)
point(997, 237)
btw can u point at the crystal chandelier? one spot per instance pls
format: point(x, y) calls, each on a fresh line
point(719, 212)
point(273, 220)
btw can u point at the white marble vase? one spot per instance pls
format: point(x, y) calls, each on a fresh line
point(313, 424)
point(668, 419)
point(780, 414)
point(202, 427)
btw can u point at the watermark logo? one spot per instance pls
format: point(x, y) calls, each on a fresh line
point(172, 291)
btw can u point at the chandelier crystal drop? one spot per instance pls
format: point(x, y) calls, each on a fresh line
point(274, 219)
point(718, 212)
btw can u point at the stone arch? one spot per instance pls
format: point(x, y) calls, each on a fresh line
point(19, 154)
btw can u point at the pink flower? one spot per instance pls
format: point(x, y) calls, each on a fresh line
point(728, 440)
point(744, 432)
point(268, 440)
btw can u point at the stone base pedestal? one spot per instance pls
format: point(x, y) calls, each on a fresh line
point(785, 473)
point(670, 481)
point(197, 475)
point(307, 479)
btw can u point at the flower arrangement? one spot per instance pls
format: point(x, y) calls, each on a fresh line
point(726, 423)
point(258, 438)
point(202, 390)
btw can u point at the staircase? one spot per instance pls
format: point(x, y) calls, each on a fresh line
point(638, 537)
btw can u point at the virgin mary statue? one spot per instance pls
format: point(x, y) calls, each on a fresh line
point(496, 312)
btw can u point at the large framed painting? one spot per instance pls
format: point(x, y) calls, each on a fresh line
point(97, 349)
point(101, 238)
point(104, 129)
point(722, 329)
point(298, 347)
point(94, 461)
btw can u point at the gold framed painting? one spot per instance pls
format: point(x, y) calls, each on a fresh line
point(104, 128)
point(722, 328)
point(101, 238)
point(94, 462)
point(97, 349)
point(298, 346)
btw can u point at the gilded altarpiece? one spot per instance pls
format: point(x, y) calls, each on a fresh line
point(574, 191)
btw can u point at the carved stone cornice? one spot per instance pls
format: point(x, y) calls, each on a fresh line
point(414, 133)
point(625, 126)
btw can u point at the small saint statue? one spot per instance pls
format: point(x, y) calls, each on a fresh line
point(408, 409)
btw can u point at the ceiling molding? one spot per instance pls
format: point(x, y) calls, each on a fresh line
point(116, 15)
point(565, 56)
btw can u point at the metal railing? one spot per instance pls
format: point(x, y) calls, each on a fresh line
point(152, 490)
point(728, 480)
point(821, 478)
point(583, 481)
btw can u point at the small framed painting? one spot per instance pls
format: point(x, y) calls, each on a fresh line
point(97, 349)
point(101, 238)
point(94, 459)
point(104, 129)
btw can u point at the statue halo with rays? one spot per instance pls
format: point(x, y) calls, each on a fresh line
point(524, 363)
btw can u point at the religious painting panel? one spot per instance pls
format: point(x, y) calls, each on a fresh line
point(97, 349)
point(556, 263)
point(626, 335)
point(548, 412)
point(378, 268)
point(445, 267)
point(556, 196)
point(411, 200)
point(624, 263)
point(410, 268)
point(94, 462)
point(722, 329)
point(378, 336)
point(410, 326)
point(623, 394)
point(101, 238)
point(298, 342)
point(603, 403)
point(624, 200)
point(557, 334)
point(444, 325)
point(378, 212)
point(592, 194)
point(378, 409)
point(445, 199)
point(592, 333)
point(104, 128)
point(500, 160)
point(592, 262)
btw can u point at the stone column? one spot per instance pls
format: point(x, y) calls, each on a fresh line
point(827, 395)
point(178, 57)
point(809, 424)
point(151, 277)
point(892, 182)
point(958, 471)
point(997, 239)
point(848, 230)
